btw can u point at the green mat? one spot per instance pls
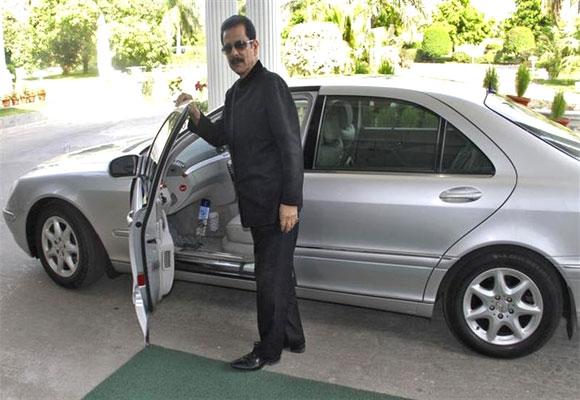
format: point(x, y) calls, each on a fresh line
point(159, 373)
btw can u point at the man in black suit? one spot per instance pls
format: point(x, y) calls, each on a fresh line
point(260, 125)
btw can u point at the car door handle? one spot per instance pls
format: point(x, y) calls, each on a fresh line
point(460, 195)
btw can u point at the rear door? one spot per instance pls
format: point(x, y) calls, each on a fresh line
point(395, 179)
point(150, 244)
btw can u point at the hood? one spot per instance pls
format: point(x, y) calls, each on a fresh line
point(92, 159)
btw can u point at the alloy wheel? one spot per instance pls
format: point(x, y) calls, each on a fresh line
point(60, 246)
point(503, 306)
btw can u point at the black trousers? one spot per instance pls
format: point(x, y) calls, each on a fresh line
point(278, 316)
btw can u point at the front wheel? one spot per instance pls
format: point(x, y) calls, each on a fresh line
point(69, 249)
point(504, 305)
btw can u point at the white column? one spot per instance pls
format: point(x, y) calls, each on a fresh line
point(267, 18)
point(219, 75)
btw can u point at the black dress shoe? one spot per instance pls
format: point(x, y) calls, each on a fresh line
point(252, 362)
point(295, 348)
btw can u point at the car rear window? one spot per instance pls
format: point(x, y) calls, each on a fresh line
point(553, 133)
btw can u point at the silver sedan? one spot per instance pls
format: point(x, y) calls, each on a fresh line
point(412, 195)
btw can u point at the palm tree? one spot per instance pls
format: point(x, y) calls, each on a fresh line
point(180, 18)
point(554, 6)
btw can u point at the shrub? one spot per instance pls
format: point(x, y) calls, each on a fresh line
point(491, 81)
point(361, 67)
point(436, 41)
point(487, 58)
point(412, 45)
point(408, 57)
point(175, 85)
point(461, 57)
point(386, 68)
point(494, 45)
point(558, 106)
point(560, 51)
point(519, 42)
point(501, 57)
point(522, 79)
point(316, 48)
point(147, 88)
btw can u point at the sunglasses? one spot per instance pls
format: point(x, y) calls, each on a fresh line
point(238, 44)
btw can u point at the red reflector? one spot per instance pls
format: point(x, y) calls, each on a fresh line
point(182, 188)
point(141, 280)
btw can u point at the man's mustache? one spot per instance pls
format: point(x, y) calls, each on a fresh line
point(235, 61)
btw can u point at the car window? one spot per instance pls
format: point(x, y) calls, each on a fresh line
point(461, 156)
point(200, 150)
point(377, 134)
point(303, 103)
point(555, 134)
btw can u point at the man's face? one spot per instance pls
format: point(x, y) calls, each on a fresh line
point(241, 60)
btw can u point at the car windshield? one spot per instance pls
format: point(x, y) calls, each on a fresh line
point(553, 133)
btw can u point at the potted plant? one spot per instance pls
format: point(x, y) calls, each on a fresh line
point(522, 83)
point(6, 101)
point(491, 81)
point(27, 96)
point(15, 98)
point(559, 108)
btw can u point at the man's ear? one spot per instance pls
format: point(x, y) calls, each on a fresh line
point(256, 45)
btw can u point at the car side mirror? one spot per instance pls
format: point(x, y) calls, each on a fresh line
point(124, 166)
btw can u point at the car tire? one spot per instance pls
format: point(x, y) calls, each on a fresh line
point(68, 247)
point(506, 320)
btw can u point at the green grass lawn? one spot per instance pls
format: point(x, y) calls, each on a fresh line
point(8, 112)
point(556, 82)
point(73, 75)
point(566, 83)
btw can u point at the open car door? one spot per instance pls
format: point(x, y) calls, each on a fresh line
point(150, 243)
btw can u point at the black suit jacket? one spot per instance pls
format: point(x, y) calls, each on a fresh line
point(260, 126)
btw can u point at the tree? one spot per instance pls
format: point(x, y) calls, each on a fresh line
point(15, 42)
point(62, 32)
point(137, 38)
point(138, 43)
point(467, 24)
point(555, 6)
point(559, 51)
point(181, 18)
point(74, 41)
point(41, 30)
point(519, 42)
point(529, 14)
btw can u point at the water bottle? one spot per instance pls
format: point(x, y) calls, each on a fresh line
point(214, 221)
point(203, 217)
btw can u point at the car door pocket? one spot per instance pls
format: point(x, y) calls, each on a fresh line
point(460, 195)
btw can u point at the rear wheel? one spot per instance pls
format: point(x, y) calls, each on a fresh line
point(69, 249)
point(504, 304)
